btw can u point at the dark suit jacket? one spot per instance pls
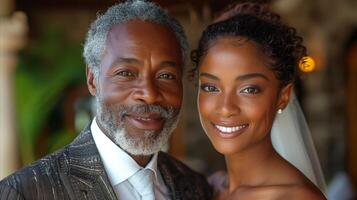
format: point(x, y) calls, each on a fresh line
point(76, 172)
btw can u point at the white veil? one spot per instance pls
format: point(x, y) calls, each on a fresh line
point(291, 138)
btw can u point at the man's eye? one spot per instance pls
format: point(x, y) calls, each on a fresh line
point(209, 88)
point(125, 73)
point(250, 90)
point(167, 76)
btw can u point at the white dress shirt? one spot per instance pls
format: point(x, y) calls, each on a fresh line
point(120, 167)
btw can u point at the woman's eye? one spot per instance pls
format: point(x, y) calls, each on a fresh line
point(250, 90)
point(167, 76)
point(209, 88)
point(125, 73)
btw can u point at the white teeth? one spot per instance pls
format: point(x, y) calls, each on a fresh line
point(144, 119)
point(229, 129)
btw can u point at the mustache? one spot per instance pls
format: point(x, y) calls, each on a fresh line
point(164, 112)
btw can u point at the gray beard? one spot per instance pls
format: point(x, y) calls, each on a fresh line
point(110, 118)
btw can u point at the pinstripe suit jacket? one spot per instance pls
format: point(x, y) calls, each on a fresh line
point(76, 172)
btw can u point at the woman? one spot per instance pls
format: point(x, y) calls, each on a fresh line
point(247, 63)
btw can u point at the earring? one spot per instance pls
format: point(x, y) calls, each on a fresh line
point(280, 111)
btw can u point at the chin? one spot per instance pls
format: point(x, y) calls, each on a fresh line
point(226, 147)
point(226, 150)
point(145, 144)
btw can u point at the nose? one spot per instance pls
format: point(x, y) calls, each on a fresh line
point(227, 105)
point(147, 92)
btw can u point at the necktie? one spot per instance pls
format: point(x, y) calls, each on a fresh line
point(143, 183)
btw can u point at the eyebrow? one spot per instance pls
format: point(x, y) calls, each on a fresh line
point(210, 76)
point(169, 64)
point(250, 76)
point(238, 78)
point(136, 61)
point(126, 61)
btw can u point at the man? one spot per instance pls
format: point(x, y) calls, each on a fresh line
point(135, 55)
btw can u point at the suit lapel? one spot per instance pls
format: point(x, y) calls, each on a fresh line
point(175, 180)
point(86, 174)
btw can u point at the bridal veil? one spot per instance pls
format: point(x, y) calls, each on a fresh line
point(292, 139)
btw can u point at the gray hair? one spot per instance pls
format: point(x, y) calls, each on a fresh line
point(94, 45)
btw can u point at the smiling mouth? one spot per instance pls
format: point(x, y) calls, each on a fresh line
point(146, 122)
point(147, 119)
point(230, 129)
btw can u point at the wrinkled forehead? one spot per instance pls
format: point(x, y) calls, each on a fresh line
point(142, 37)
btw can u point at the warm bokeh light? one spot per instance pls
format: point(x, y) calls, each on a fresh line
point(307, 64)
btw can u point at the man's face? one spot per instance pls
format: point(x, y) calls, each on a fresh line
point(139, 88)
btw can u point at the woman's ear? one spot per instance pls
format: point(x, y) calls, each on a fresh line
point(284, 95)
point(91, 82)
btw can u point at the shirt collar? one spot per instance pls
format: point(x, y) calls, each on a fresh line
point(117, 163)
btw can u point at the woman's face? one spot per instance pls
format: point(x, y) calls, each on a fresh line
point(238, 95)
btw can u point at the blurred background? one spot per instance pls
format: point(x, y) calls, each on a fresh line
point(44, 101)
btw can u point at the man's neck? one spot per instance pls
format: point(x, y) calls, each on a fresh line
point(142, 160)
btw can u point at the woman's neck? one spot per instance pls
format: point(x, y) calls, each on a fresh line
point(251, 166)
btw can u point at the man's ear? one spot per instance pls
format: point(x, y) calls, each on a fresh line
point(91, 83)
point(284, 95)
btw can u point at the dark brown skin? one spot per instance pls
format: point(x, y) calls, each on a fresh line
point(237, 89)
point(142, 64)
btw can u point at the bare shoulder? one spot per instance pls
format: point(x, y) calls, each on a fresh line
point(278, 192)
point(305, 192)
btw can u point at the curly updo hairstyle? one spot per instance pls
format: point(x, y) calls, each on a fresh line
point(255, 22)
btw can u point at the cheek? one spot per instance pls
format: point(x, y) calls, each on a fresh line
point(261, 113)
point(205, 107)
point(112, 93)
point(171, 92)
point(173, 97)
point(270, 116)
